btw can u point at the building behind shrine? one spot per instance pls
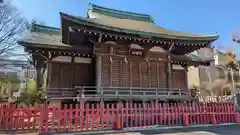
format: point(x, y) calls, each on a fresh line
point(114, 55)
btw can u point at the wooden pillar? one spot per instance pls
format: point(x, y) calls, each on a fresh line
point(98, 68)
point(157, 75)
point(186, 77)
point(169, 72)
point(130, 74)
point(149, 75)
point(49, 76)
point(170, 66)
point(110, 71)
point(140, 75)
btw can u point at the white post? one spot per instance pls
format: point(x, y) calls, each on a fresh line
point(234, 94)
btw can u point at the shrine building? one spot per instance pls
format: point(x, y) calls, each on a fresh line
point(114, 55)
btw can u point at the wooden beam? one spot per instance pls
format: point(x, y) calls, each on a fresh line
point(171, 47)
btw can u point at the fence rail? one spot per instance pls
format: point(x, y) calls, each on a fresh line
point(85, 117)
point(116, 92)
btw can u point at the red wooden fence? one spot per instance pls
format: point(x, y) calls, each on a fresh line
point(84, 117)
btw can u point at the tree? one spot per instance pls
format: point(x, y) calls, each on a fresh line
point(31, 95)
point(223, 84)
point(12, 24)
point(8, 82)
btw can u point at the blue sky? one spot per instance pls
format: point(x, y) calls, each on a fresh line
point(197, 16)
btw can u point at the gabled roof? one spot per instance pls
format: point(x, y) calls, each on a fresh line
point(140, 28)
point(119, 13)
point(127, 22)
point(44, 28)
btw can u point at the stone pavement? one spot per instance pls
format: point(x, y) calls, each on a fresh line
point(216, 130)
point(213, 130)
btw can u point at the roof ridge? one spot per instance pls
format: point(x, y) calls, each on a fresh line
point(44, 27)
point(94, 7)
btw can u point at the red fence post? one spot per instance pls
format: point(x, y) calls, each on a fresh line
point(211, 111)
point(213, 119)
point(237, 119)
point(118, 119)
point(185, 119)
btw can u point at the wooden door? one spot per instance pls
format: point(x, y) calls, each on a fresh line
point(66, 76)
point(116, 72)
point(105, 72)
point(161, 75)
point(82, 74)
point(55, 75)
point(126, 74)
point(135, 78)
point(179, 79)
point(144, 74)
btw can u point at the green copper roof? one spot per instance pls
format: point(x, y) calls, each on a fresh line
point(44, 28)
point(120, 14)
point(136, 27)
point(190, 57)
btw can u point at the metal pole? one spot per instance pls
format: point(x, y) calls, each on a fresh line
point(26, 79)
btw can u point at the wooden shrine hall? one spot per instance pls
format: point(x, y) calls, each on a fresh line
point(114, 55)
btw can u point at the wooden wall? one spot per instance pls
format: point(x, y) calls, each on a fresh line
point(119, 73)
point(135, 71)
point(68, 75)
point(179, 79)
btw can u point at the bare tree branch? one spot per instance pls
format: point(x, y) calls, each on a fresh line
point(12, 24)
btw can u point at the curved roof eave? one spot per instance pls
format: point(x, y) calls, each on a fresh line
point(88, 22)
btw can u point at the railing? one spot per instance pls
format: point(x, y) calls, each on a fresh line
point(115, 92)
point(118, 116)
point(225, 98)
